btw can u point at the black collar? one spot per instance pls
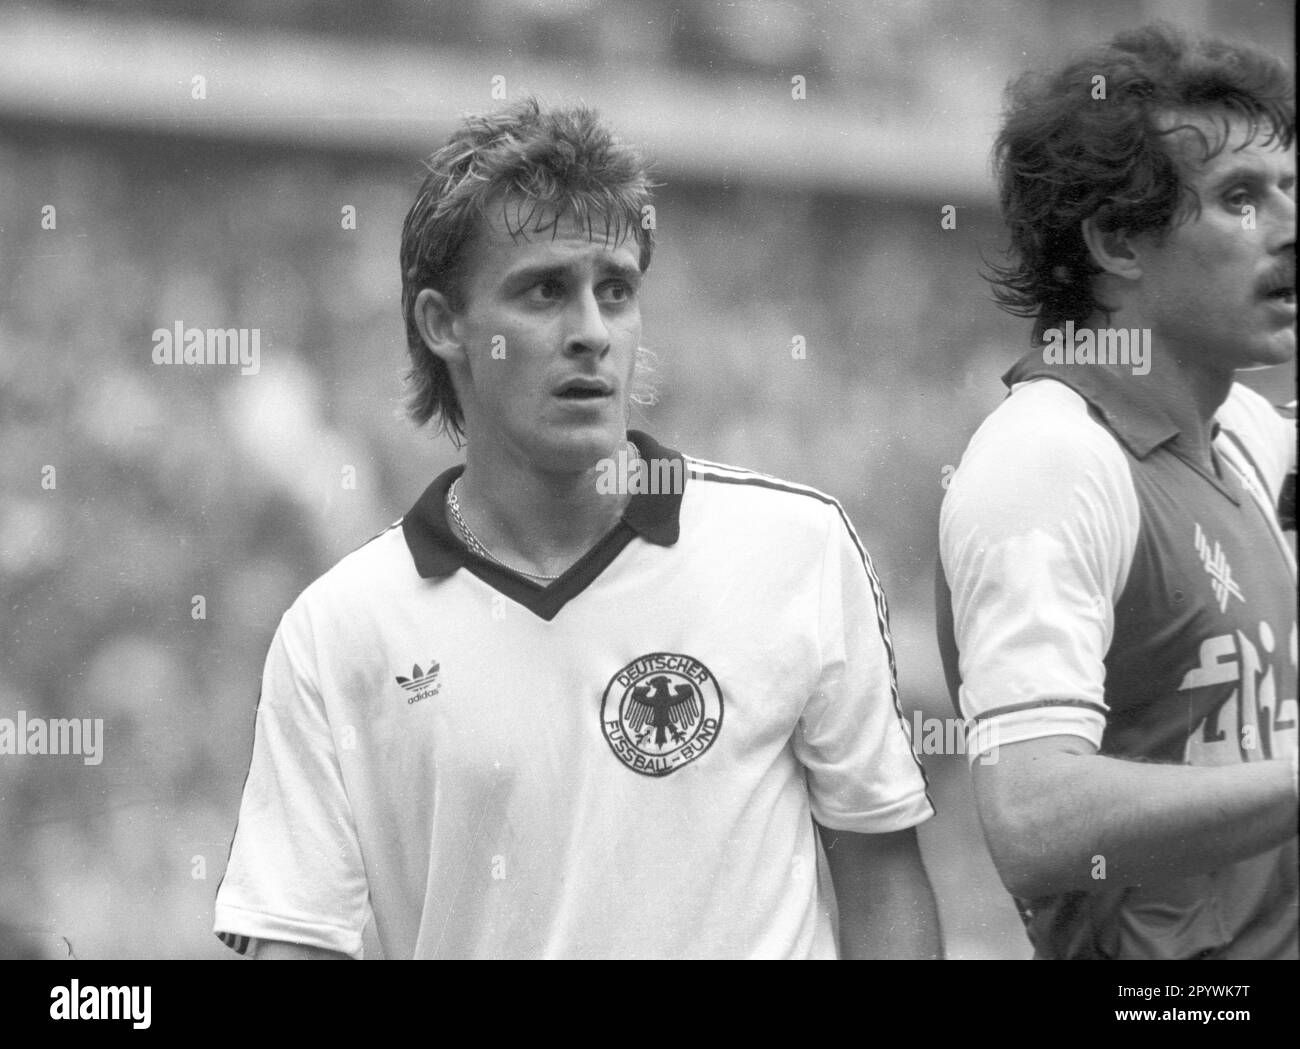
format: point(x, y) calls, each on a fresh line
point(438, 552)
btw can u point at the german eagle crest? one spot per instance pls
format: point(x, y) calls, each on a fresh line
point(661, 712)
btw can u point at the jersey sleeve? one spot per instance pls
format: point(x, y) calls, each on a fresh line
point(1037, 534)
point(1264, 438)
point(295, 871)
point(852, 740)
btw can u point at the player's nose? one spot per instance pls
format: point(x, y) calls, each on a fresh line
point(587, 331)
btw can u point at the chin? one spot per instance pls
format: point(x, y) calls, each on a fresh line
point(575, 452)
point(1267, 349)
point(1278, 350)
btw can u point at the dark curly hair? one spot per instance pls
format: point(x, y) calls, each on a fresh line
point(536, 165)
point(1063, 155)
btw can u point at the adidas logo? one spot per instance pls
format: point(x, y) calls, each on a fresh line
point(422, 683)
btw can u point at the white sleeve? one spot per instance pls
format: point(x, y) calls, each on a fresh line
point(1268, 439)
point(295, 871)
point(1037, 534)
point(851, 738)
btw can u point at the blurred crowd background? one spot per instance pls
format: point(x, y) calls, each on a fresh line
point(173, 482)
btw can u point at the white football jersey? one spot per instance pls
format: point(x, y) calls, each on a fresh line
point(625, 763)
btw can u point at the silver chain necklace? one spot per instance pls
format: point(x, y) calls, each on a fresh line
point(476, 545)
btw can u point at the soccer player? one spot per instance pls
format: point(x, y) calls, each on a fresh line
point(587, 698)
point(1117, 601)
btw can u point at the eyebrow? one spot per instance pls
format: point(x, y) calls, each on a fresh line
point(543, 270)
point(631, 274)
point(1247, 172)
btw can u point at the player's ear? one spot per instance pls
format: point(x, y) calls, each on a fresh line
point(1112, 250)
point(439, 326)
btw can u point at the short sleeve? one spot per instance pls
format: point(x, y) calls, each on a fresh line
point(852, 740)
point(1262, 435)
point(1037, 534)
point(295, 871)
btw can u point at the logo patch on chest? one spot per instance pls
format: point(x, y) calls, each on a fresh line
point(421, 684)
point(660, 712)
point(1215, 562)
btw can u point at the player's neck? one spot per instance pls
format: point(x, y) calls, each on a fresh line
point(534, 519)
point(1184, 389)
point(1190, 397)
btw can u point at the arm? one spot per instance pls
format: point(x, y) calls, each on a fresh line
point(862, 775)
point(1051, 807)
point(279, 951)
point(886, 905)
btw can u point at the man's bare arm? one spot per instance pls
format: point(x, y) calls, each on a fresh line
point(1052, 808)
point(886, 905)
point(279, 951)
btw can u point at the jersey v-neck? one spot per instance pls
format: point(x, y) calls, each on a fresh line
point(438, 552)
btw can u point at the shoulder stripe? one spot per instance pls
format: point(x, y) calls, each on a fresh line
point(1278, 507)
point(1240, 446)
point(764, 481)
point(731, 475)
point(882, 621)
point(706, 469)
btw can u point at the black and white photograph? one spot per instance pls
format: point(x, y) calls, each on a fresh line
point(649, 480)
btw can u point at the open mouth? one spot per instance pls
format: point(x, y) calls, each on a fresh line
point(1281, 287)
point(583, 390)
